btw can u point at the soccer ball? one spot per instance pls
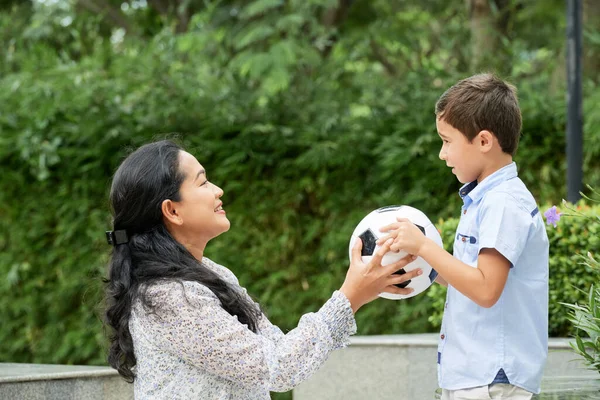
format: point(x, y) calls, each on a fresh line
point(368, 231)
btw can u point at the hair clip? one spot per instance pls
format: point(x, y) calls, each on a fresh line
point(117, 237)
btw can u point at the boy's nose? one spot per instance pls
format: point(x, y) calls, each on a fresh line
point(442, 155)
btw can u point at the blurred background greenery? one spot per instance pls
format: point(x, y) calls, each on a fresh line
point(308, 113)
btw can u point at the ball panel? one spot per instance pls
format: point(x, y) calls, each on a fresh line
point(403, 284)
point(422, 229)
point(432, 275)
point(387, 209)
point(368, 243)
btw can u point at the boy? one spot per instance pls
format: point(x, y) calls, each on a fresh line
point(494, 335)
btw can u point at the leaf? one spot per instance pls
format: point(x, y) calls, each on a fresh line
point(580, 345)
point(252, 35)
point(289, 21)
point(259, 7)
point(283, 52)
point(257, 65)
point(277, 80)
point(252, 65)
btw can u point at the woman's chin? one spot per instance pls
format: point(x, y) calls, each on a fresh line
point(226, 225)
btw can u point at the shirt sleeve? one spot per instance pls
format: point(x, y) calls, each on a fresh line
point(190, 323)
point(504, 225)
point(273, 331)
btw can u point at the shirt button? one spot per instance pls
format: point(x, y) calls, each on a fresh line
point(443, 336)
point(464, 239)
point(465, 211)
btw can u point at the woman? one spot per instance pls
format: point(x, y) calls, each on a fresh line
point(183, 327)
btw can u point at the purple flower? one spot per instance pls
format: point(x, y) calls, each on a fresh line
point(552, 216)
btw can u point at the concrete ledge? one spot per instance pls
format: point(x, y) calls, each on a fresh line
point(394, 367)
point(39, 372)
point(403, 367)
point(427, 340)
point(68, 382)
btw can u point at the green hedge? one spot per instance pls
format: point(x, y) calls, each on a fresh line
point(303, 150)
point(570, 280)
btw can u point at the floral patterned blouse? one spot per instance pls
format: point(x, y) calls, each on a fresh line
point(189, 347)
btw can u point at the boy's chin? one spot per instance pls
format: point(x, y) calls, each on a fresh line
point(458, 177)
point(463, 179)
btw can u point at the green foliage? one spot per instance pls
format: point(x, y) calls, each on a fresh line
point(586, 318)
point(307, 120)
point(569, 243)
point(585, 313)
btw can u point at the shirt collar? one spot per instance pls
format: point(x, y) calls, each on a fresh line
point(472, 192)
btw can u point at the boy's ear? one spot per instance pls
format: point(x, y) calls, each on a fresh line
point(170, 214)
point(485, 140)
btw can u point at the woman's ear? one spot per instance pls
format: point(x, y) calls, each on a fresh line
point(170, 214)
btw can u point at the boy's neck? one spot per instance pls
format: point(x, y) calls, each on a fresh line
point(494, 164)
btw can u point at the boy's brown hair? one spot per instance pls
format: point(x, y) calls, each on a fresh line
point(483, 102)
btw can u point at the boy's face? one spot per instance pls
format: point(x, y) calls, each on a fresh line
point(464, 157)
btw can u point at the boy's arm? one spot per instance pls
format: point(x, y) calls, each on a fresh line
point(483, 284)
point(504, 226)
point(441, 280)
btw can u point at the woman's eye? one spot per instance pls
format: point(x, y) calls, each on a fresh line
point(204, 183)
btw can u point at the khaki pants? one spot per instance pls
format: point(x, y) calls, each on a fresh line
point(496, 391)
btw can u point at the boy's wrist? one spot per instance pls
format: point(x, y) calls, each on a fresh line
point(425, 247)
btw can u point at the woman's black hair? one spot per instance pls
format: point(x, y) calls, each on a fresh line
point(146, 177)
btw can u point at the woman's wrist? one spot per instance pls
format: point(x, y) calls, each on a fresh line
point(351, 298)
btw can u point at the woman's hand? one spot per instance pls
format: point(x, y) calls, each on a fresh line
point(364, 282)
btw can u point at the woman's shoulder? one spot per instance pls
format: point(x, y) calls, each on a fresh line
point(175, 293)
point(223, 271)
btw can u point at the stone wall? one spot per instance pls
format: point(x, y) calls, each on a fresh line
point(61, 382)
point(403, 367)
point(394, 367)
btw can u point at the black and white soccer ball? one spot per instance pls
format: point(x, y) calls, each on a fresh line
point(368, 231)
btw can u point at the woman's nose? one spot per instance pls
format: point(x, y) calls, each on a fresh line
point(218, 191)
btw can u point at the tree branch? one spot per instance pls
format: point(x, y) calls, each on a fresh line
point(180, 10)
point(334, 17)
point(113, 14)
point(381, 58)
point(483, 35)
point(183, 18)
point(160, 6)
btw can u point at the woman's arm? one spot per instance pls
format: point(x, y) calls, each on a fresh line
point(194, 327)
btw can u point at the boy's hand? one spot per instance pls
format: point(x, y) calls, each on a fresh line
point(406, 236)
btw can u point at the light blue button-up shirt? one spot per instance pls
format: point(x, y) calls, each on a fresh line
point(477, 342)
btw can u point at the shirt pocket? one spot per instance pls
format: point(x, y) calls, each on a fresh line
point(469, 247)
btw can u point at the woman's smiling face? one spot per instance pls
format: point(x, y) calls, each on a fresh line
point(200, 208)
